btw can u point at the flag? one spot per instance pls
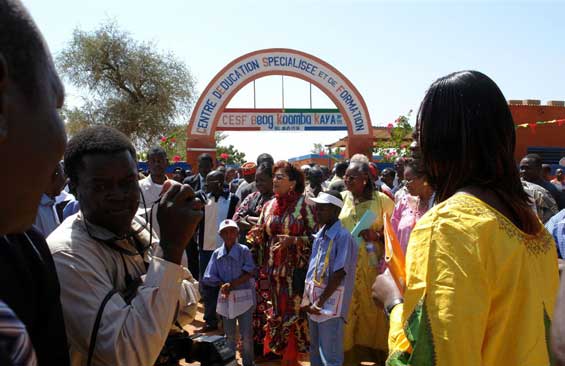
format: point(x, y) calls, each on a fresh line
point(394, 255)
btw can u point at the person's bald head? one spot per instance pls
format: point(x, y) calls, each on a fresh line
point(530, 168)
point(399, 167)
point(215, 182)
point(559, 174)
point(305, 170)
point(387, 176)
point(546, 172)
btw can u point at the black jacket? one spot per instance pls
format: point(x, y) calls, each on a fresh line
point(194, 182)
point(30, 287)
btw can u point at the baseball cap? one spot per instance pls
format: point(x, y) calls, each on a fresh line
point(326, 198)
point(227, 223)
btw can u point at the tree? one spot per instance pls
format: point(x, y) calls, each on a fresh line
point(229, 155)
point(318, 148)
point(399, 139)
point(128, 84)
point(336, 154)
point(175, 145)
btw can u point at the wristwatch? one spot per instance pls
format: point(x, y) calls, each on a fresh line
point(389, 307)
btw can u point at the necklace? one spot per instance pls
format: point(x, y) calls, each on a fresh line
point(319, 277)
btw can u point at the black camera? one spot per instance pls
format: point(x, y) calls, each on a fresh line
point(208, 350)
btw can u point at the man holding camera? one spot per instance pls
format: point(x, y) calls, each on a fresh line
point(121, 291)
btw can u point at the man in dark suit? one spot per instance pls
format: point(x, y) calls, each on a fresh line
point(197, 182)
point(31, 134)
point(205, 165)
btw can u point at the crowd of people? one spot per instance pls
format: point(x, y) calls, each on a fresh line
point(100, 264)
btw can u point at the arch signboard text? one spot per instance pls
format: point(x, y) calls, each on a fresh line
point(210, 111)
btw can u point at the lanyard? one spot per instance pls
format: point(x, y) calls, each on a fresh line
point(318, 279)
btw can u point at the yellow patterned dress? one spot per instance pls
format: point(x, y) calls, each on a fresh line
point(366, 324)
point(479, 290)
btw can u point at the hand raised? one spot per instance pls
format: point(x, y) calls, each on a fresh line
point(178, 214)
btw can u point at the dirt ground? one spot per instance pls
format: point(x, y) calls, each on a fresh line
point(199, 322)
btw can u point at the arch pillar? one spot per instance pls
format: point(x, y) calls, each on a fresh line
point(196, 145)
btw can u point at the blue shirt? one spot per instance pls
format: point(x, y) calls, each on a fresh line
point(556, 227)
point(227, 266)
point(71, 208)
point(343, 255)
point(46, 220)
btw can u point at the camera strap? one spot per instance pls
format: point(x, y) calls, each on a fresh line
point(129, 293)
point(97, 325)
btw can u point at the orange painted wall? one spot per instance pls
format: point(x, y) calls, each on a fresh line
point(546, 135)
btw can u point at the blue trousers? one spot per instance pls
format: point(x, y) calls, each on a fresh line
point(209, 293)
point(326, 342)
point(245, 332)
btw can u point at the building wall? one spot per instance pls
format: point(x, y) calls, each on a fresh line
point(313, 159)
point(545, 136)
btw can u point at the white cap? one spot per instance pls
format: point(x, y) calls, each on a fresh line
point(227, 223)
point(326, 198)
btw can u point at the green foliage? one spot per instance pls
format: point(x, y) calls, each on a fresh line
point(318, 148)
point(175, 145)
point(126, 84)
point(229, 155)
point(336, 154)
point(397, 145)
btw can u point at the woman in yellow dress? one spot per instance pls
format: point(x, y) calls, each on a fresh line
point(481, 269)
point(365, 333)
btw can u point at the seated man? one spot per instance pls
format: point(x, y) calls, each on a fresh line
point(104, 249)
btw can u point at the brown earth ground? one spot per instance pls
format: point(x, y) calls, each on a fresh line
point(199, 323)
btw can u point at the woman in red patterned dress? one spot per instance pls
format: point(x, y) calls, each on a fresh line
point(246, 216)
point(282, 241)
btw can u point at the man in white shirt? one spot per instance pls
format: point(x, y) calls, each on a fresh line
point(220, 205)
point(106, 255)
point(150, 188)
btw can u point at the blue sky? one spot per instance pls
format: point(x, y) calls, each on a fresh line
point(391, 51)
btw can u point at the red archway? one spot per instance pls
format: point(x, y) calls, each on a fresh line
point(277, 61)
